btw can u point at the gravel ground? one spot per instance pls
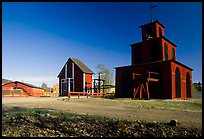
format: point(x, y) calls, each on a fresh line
point(190, 123)
point(43, 123)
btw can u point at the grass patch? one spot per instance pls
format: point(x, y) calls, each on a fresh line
point(184, 105)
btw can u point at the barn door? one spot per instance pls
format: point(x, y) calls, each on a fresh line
point(127, 89)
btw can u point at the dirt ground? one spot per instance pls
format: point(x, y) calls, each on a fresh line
point(186, 119)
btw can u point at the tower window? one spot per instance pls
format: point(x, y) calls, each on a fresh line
point(173, 54)
point(166, 51)
point(160, 31)
point(149, 33)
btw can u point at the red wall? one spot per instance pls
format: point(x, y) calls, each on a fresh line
point(88, 80)
point(154, 28)
point(146, 50)
point(183, 72)
point(78, 79)
point(167, 77)
point(26, 90)
point(170, 46)
point(142, 69)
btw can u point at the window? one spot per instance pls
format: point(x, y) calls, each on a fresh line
point(160, 31)
point(137, 55)
point(178, 83)
point(155, 55)
point(173, 54)
point(188, 85)
point(149, 33)
point(166, 51)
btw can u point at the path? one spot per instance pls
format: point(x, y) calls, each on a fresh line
point(188, 119)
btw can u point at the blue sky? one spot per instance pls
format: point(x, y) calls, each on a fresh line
point(38, 38)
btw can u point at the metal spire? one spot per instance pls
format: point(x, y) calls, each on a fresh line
point(151, 7)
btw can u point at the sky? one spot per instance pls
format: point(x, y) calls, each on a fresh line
point(39, 37)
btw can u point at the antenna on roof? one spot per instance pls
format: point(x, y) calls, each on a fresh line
point(151, 7)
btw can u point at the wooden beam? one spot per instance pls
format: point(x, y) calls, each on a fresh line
point(140, 91)
point(147, 88)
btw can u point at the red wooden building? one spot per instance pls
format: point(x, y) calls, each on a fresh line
point(75, 76)
point(17, 88)
point(154, 71)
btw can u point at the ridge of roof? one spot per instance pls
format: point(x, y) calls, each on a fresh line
point(82, 66)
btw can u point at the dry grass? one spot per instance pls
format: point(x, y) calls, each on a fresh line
point(194, 105)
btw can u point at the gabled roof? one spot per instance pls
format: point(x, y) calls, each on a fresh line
point(30, 85)
point(80, 64)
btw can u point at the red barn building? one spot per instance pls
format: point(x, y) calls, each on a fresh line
point(75, 76)
point(154, 71)
point(21, 89)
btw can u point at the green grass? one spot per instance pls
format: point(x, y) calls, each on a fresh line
point(185, 105)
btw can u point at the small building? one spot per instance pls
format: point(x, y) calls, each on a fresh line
point(17, 88)
point(154, 71)
point(56, 90)
point(75, 76)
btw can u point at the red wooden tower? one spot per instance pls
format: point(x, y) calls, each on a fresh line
point(154, 72)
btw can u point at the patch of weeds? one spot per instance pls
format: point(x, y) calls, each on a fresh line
point(32, 112)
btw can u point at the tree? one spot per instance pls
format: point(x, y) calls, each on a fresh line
point(105, 74)
point(44, 85)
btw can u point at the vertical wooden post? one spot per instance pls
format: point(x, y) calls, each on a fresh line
point(78, 95)
point(99, 84)
point(134, 93)
point(137, 89)
point(147, 90)
point(140, 91)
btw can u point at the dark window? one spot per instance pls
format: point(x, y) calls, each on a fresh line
point(138, 55)
point(178, 83)
point(155, 52)
point(166, 51)
point(149, 33)
point(160, 31)
point(173, 54)
point(188, 85)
